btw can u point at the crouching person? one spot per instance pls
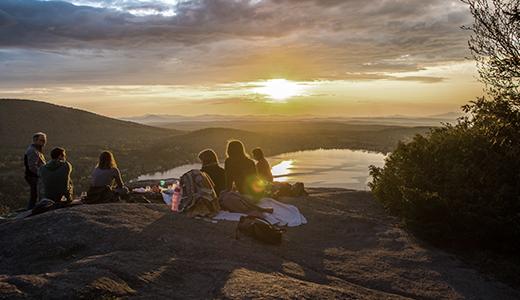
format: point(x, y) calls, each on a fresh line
point(106, 184)
point(55, 181)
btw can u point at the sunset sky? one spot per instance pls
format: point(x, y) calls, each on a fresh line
point(319, 57)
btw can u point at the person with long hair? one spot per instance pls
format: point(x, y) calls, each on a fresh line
point(210, 166)
point(262, 166)
point(106, 174)
point(241, 173)
point(240, 169)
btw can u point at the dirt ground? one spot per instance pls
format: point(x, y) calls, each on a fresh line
point(350, 249)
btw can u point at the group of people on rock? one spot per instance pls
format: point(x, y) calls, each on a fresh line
point(239, 170)
point(241, 183)
point(52, 179)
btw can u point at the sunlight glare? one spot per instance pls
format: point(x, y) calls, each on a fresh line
point(279, 89)
point(282, 170)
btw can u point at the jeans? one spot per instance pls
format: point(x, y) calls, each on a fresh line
point(33, 184)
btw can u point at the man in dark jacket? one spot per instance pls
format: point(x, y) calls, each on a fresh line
point(55, 178)
point(33, 159)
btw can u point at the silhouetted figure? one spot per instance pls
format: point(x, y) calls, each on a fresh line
point(55, 178)
point(33, 159)
point(107, 175)
point(240, 170)
point(262, 165)
point(211, 167)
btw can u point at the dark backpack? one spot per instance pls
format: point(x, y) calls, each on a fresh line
point(259, 229)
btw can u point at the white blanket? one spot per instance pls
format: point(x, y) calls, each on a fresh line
point(283, 214)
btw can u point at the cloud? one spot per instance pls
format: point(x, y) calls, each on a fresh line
point(423, 79)
point(383, 76)
point(220, 41)
point(6, 20)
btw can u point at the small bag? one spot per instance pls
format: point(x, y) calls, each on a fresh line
point(298, 189)
point(284, 189)
point(259, 229)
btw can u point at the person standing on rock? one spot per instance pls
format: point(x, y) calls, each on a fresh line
point(55, 181)
point(33, 159)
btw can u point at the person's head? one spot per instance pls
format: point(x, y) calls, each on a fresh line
point(39, 139)
point(107, 160)
point(208, 157)
point(236, 149)
point(58, 153)
point(258, 154)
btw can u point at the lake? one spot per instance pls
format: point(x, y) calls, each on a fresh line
point(335, 168)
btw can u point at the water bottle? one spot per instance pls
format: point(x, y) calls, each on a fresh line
point(176, 198)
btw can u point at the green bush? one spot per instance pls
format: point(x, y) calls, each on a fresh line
point(459, 183)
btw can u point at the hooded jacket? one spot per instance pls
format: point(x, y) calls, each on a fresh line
point(55, 180)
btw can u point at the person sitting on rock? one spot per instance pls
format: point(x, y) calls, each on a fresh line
point(55, 181)
point(241, 172)
point(106, 177)
point(211, 167)
point(33, 159)
point(262, 165)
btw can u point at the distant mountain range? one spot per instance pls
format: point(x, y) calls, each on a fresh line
point(203, 121)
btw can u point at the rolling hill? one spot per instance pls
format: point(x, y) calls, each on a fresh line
point(19, 119)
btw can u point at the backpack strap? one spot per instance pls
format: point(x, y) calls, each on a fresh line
point(267, 222)
point(258, 218)
point(237, 229)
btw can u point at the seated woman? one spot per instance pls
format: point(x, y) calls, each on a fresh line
point(240, 169)
point(106, 178)
point(262, 166)
point(211, 167)
point(240, 173)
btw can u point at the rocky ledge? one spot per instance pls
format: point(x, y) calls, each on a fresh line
point(349, 249)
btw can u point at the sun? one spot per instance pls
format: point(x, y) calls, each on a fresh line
point(279, 89)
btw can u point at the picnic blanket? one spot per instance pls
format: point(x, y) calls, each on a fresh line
point(283, 214)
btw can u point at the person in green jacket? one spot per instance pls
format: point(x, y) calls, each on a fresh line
point(56, 183)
